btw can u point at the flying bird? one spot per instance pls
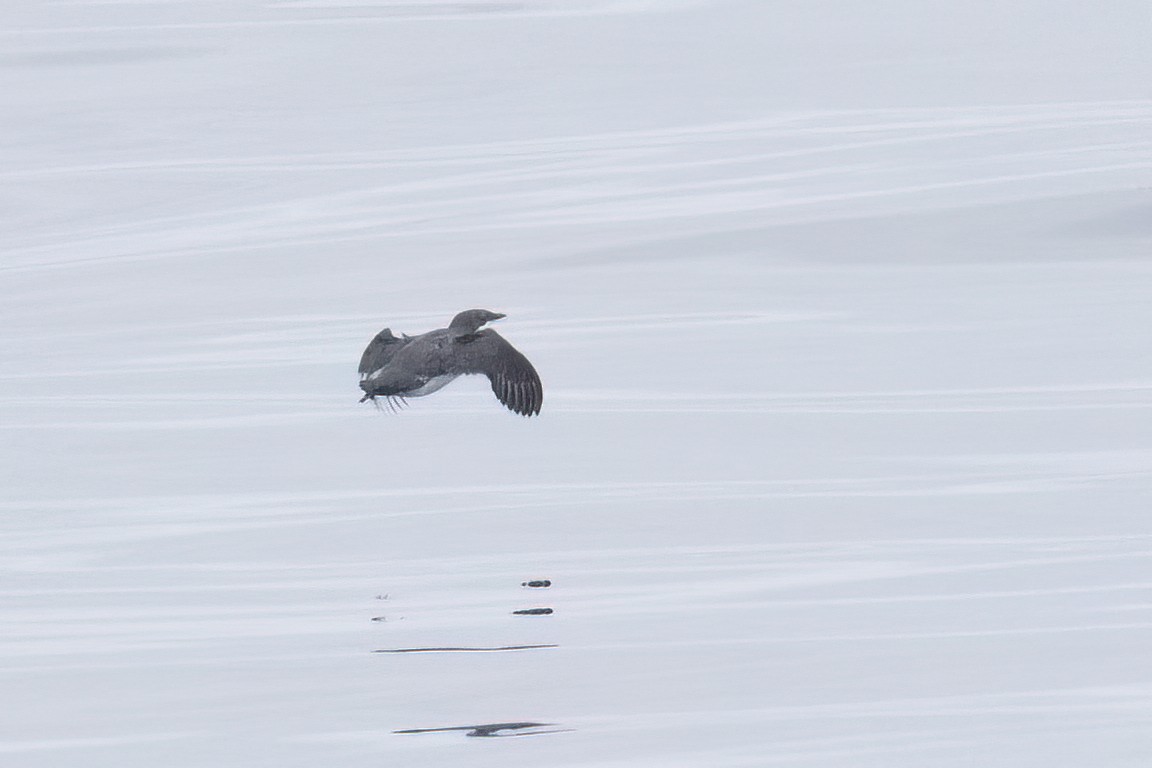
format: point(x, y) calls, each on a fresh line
point(396, 368)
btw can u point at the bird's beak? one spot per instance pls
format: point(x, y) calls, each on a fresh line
point(498, 316)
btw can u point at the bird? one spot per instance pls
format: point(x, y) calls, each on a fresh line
point(398, 367)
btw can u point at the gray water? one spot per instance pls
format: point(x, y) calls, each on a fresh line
point(842, 315)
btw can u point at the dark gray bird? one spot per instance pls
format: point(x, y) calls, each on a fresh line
point(396, 368)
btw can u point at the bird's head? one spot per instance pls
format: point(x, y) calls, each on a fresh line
point(469, 321)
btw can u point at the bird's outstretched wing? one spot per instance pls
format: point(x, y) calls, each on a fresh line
point(379, 351)
point(514, 380)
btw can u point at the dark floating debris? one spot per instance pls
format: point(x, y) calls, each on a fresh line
point(491, 729)
point(465, 649)
point(379, 618)
point(533, 612)
point(537, 584)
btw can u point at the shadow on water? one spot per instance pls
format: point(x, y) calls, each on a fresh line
point(466, 649)
point(494, 729)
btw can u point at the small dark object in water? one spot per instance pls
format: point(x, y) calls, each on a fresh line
point(538, 584)
point(533, 612)
point(453, 649)
point(394, 368)
point(487, 729)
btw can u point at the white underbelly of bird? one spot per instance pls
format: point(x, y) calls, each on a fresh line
point(432, 385)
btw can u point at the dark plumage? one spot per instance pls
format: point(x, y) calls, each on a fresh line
point(414, 366)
